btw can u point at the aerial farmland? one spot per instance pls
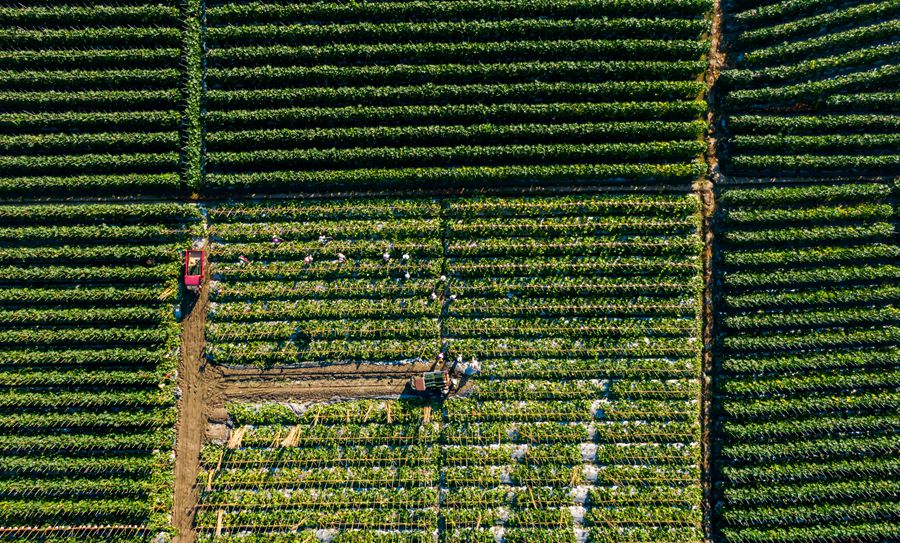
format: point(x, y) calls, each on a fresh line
point(449, 271)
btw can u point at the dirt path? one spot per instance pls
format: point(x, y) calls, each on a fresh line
point(706, 191)
point(191, 417)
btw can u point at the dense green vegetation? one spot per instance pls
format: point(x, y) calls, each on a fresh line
point(811, 88)
point(88, 348)
point(809, 344)
point(90, 98)
point(412, 94)
point(575, 306)
point(807, 275)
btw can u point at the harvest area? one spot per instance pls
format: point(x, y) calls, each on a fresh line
point(449, 271)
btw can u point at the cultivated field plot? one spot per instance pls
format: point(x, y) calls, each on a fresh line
point(583, 317)
point(812, 88)
point(353, 472)
point(583, 313)
point(88, 351)
point(808, 353)
point(410, 94)
point(315, 281)
point(90, 98)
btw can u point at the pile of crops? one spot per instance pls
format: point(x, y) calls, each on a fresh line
point(359, 471)
point(812, 88)
point(578, 321)
point(325, 281)
point(90, 98)
point(303, 95)
point(809, 344)
point(88, 351)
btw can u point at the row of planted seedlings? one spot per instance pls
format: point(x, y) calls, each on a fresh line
point(808, 347)
point(581, 314)
point(351, 472)
point(88, 351)
point(400, 95)
point(90, 98)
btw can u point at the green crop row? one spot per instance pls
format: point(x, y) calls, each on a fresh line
point(118, 59)
point(756, 12)
point(20, 80)
point(813, 361)
point(888, 164)
point(465, 52)
point(461, 176)
point(862, 36)
point(839, 193)
point(421, 95)
point(430, 74)
point(405, 158)
point(809, 124)
point(445, 114)
point(88, 121)
point(419, 10)
point(449, 31)
point(449, 135)
point(78, 38)
point(57, 102)
point(820, 426)
point(843, 212)
point(776, 144)
point(855, 82)
point(803, 26)
point(101, 15)
point(810, 69)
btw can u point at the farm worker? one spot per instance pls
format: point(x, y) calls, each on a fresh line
point(243, 259)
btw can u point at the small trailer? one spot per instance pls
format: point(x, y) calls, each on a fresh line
point(194, 267)
point(431, 382)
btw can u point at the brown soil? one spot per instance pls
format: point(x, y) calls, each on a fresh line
point(191, 418)
point(706, 191)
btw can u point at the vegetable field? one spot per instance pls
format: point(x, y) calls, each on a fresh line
point(583, 314)
point(583, 421)
point(88, 350)
point(652, 242)
point(355, 472)
point(325, 281)
point(807, 278)
point(808, 389)
point(90, 98)
point(811, 88)
point(438, 94)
